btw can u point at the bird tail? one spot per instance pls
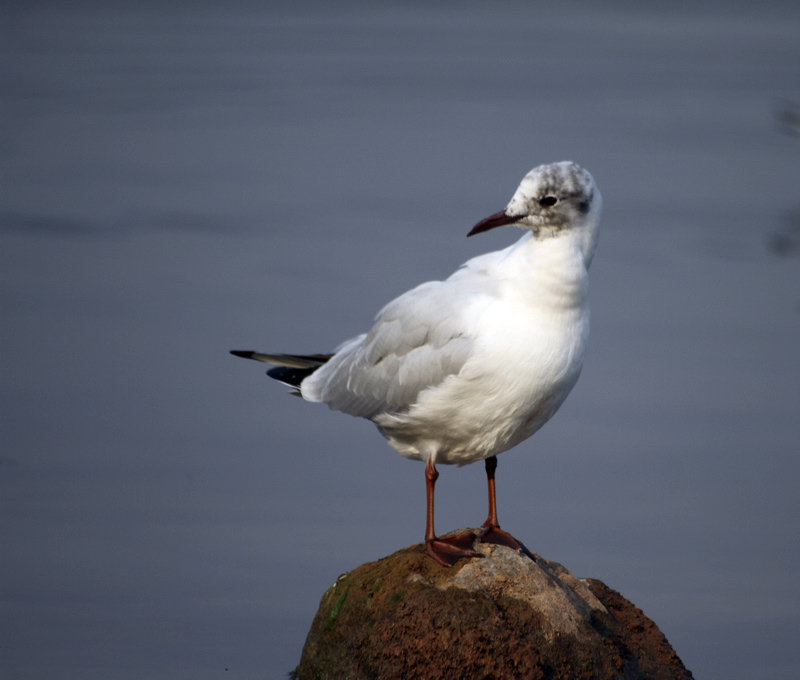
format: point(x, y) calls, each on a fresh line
point(290, 369)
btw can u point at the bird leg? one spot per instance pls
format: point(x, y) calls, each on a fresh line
point(448, 549)
point(490, 529)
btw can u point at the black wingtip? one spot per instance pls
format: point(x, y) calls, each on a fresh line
point(243, 354)
point(290, 376)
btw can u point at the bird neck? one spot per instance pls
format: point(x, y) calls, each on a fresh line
point(550, 270)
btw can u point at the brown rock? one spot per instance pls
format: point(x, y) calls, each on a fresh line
point(503, 616)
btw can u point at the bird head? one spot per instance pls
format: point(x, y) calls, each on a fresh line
point(552, 199)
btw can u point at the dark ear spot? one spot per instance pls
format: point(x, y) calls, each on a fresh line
point(583, 206)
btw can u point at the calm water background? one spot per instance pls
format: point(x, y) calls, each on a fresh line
point(183, 179)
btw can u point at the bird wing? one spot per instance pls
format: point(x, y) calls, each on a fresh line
point(418, 340)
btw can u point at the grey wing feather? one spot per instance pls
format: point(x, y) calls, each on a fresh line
point(418, 340)
point(288, 360)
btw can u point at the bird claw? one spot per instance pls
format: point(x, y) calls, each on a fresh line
point(447, 550)
point(494, 534)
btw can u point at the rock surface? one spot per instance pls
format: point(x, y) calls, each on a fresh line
point(503, 616)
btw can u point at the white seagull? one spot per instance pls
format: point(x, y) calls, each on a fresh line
point(459, 370)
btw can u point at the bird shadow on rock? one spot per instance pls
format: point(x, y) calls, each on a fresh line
point(501, 616)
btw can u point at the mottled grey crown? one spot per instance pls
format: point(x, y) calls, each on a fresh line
point(562, 181)
point(554, 195)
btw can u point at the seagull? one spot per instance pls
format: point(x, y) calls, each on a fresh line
point(460, 370)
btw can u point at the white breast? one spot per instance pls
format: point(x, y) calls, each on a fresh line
point(527, 355)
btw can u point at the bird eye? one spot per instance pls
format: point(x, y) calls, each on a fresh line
point(548, 201)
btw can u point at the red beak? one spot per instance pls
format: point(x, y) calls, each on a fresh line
point(497, 220)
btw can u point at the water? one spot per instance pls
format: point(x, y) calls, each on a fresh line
point(180, 180)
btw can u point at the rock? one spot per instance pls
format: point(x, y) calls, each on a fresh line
point(503, 616)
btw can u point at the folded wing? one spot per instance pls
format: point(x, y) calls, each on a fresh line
point(418, 341)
